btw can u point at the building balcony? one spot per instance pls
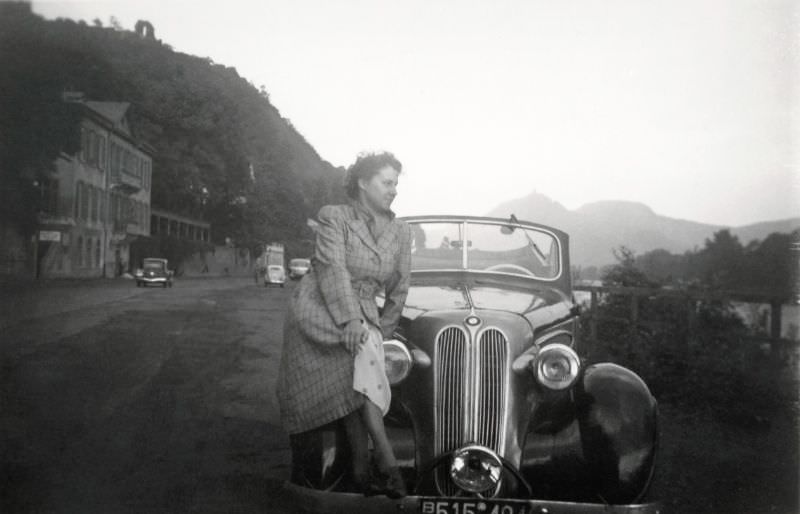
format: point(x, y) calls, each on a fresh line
point(125, 183)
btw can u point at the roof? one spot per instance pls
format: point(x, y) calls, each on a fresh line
point(113, 112)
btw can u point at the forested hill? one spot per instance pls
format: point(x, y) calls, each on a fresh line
point(223, 151)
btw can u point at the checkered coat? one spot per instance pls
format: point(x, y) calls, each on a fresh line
point(315, 381)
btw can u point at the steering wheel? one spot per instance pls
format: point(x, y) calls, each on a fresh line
point(513, 268)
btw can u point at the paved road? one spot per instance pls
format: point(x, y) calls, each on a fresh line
point(119, 399)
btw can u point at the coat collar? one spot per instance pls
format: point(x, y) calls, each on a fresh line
point(359, 224)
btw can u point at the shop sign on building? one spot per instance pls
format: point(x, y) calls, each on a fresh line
point(50, 235)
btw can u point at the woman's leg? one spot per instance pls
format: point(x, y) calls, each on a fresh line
point(357, 437)
point(392, 484)
point(373, 419)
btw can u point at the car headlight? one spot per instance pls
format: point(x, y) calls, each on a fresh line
point(475, 469)
point(398, 361)
point(556, 366)
point(139, 273)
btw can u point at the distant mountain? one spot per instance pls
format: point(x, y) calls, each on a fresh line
point(597, 228)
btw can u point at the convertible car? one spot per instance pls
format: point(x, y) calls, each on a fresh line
point(494, 411)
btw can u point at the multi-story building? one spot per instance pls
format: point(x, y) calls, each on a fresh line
point(97, 202)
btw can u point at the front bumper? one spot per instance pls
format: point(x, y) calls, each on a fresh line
point(325, 502)
point(152, 280)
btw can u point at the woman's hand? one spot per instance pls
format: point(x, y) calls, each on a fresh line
point(355, 333)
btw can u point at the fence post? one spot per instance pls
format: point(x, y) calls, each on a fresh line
point(775, 318)
point(593, 316)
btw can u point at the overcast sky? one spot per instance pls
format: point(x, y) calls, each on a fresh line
point(690, 107)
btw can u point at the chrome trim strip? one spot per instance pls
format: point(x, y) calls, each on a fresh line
point(550, 335)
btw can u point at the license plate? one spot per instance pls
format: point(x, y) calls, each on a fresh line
point(471, 506)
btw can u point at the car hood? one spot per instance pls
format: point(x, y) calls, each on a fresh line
point(540, 303)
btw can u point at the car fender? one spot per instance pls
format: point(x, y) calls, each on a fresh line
point(618, 424)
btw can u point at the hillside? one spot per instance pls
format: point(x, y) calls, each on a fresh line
point(597, 228)
point(224, 153)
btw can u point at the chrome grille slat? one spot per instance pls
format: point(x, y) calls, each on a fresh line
point(462, 368)
point(451, 359)
point(492, 356)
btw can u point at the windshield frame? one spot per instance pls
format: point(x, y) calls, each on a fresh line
point(465, 222)
point(153, 263)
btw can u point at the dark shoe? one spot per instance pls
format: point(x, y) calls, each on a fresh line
point(390, 484)
point(361, 482)
point(395, 487)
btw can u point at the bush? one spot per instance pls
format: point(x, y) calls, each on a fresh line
point(695, 353)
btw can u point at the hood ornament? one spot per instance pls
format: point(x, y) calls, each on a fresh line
point(472, 320)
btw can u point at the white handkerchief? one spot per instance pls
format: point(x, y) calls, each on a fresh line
point(369, 375)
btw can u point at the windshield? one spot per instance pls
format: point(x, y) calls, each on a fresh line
point(153, 264)
point(485, 246)
point(299, 262)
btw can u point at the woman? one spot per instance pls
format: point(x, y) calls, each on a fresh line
point(360, 249)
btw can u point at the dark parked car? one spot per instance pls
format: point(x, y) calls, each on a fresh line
point(154, 271)
point(298, 268)
point(493, 409)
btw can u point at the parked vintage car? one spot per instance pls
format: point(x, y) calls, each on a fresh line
point(274, 275)
point(493, 409)
point(154, 271)
point(298, 268)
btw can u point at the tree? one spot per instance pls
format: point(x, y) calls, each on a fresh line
point(206, 123)
point(769, 267)
point(36, 126)
point(721, 263)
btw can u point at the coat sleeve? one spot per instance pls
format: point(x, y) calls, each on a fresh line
point(397, 286)
point(330, 266)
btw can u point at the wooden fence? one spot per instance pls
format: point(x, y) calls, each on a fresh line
point(691, 298)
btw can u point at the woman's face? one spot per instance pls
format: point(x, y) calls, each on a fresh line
point(378, 191)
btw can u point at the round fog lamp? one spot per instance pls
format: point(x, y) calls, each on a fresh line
point(557, 366)
point(475, 469)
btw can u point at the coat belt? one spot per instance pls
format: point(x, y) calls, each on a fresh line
point(364, 289)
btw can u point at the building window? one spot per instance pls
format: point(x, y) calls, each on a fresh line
point(95, 199)
point(89, 191)
point(92, 160)
point(77, 200)
point(101, 209)
point(88, 252)
point(79, 251)
point(84, 144)
point(115, 152)
point(84, 196)
point(97, 252)
point(49, 195)
point(101, 157)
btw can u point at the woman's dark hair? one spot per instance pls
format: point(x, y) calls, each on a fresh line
point(365, 167)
